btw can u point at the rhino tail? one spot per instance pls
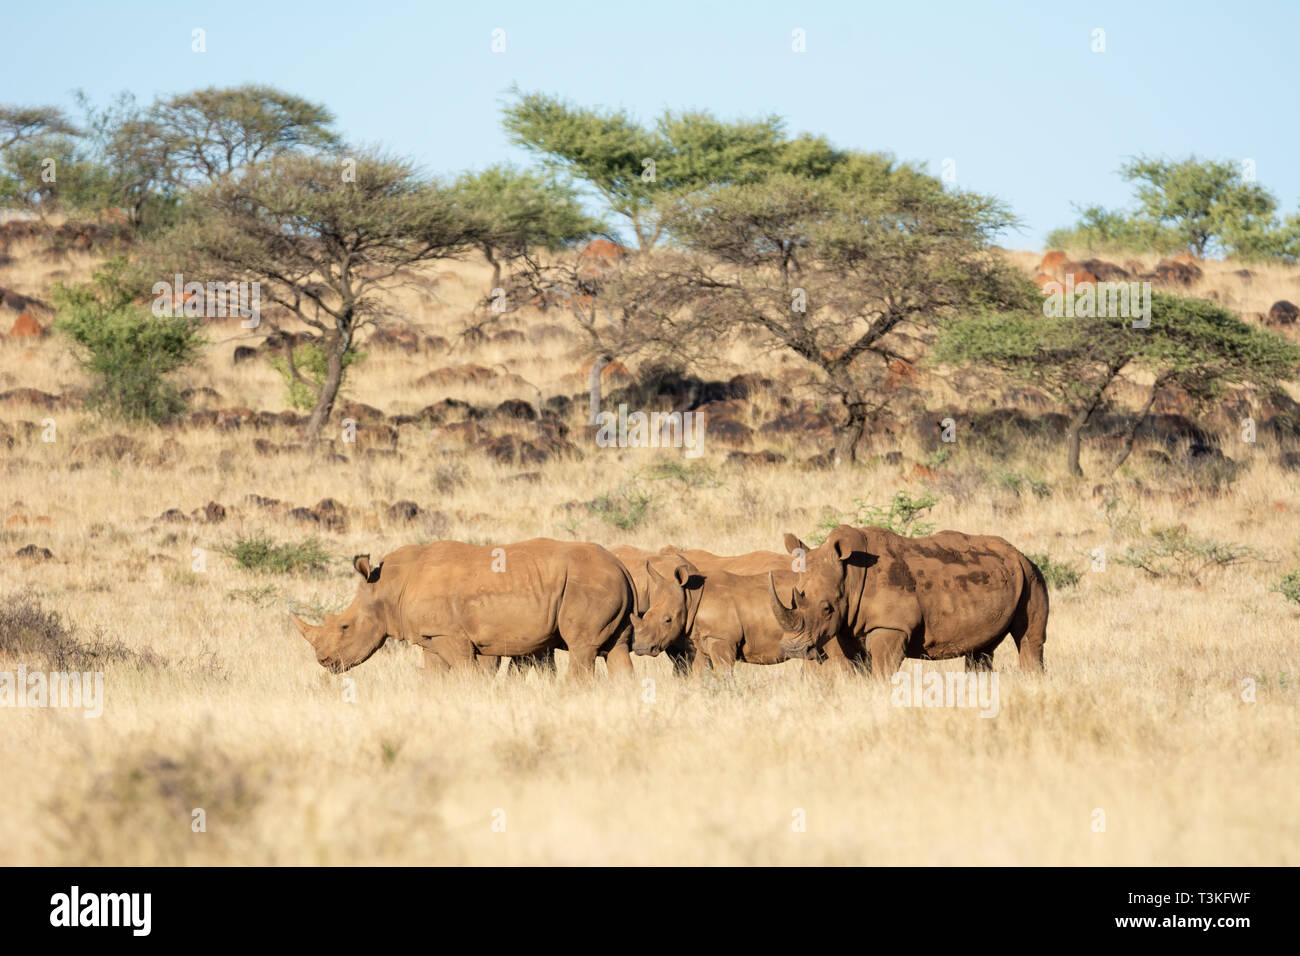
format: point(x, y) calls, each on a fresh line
point(1029, 625)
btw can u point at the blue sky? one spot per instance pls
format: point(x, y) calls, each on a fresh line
point(1012, 93)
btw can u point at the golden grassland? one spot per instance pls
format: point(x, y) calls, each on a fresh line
point(1140, 715)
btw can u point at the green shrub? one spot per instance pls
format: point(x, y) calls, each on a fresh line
point(1172, 551)
point(313, 364)
point(624, 508)
point(128, 351)
point(1057, 574)
point(902, 516)
point(1015, 482)
point(1289, 587)
point(692, 475)
point(260, 553)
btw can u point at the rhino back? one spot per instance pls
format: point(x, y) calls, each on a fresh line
point(508, 599)
point(737, 608)
point(966, 588)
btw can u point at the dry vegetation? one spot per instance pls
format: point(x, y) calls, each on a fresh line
point(214, 702)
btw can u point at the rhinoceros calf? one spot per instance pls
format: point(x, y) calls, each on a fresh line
point(943, 596)
point(461, 601)
point(636, 560)
point(838, 652)
point(724, 616)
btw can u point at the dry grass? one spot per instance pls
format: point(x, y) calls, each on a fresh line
point(1140, 715)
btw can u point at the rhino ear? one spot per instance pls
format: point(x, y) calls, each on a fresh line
point(683, 573)
point(793, 544)
point(652, 573)
point(362, 563)
point(844, 540)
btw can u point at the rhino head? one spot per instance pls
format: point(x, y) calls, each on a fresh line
point(819, 608)
point(345, 640)
point(670, 604)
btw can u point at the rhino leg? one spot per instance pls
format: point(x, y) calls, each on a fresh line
point(722, 654)
point(433, 664)
point(1029, 623)
point(582, 661)
point(456, 652)
point(886, 646)
point(682, 661)
point(487, 663)
point(618, 660)
point(542, 661)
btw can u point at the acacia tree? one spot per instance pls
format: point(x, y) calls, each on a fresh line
point(632, 167)
point(517, 211)
point(1189, 343)
point(20, 123)
point(828, 269)
point(1195, 205)
point(212, 132)
point(324, 237)
point(622, 311)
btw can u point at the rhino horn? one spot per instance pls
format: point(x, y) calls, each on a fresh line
point(785, 616)
point(308, 631)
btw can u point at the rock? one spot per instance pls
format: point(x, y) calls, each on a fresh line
point(402, 512)
point(1052, 262)
point(517, 409)
point(34, 553)
point(1282, 313)
point(113, 447)
point(25, 327)
point(233, 417)
point(457, 375)
point(602, 251)
point(1180, 270)
point(30, 396)
point(728, 432)
point(764, 457)
point(1099, 269)
point(304, 516)
point(243, 353)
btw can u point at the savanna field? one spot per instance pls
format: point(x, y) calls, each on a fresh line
point(1164, 731)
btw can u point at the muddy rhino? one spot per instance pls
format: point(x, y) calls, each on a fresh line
point(637, 561)
point(461, 601)
point(943, 596)
point(724, 617)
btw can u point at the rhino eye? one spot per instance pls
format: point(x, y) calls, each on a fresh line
point(826, 607)
point(668, 620)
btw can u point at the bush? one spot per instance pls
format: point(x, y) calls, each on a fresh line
point(1289, 587)
point(1172, 551)
point(624, 508)
point(313, 364)
point(902, 516)
point(128, 351)
point(260, 553)
point(1015, 482)
point(28, 630)
point(1057, 574)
